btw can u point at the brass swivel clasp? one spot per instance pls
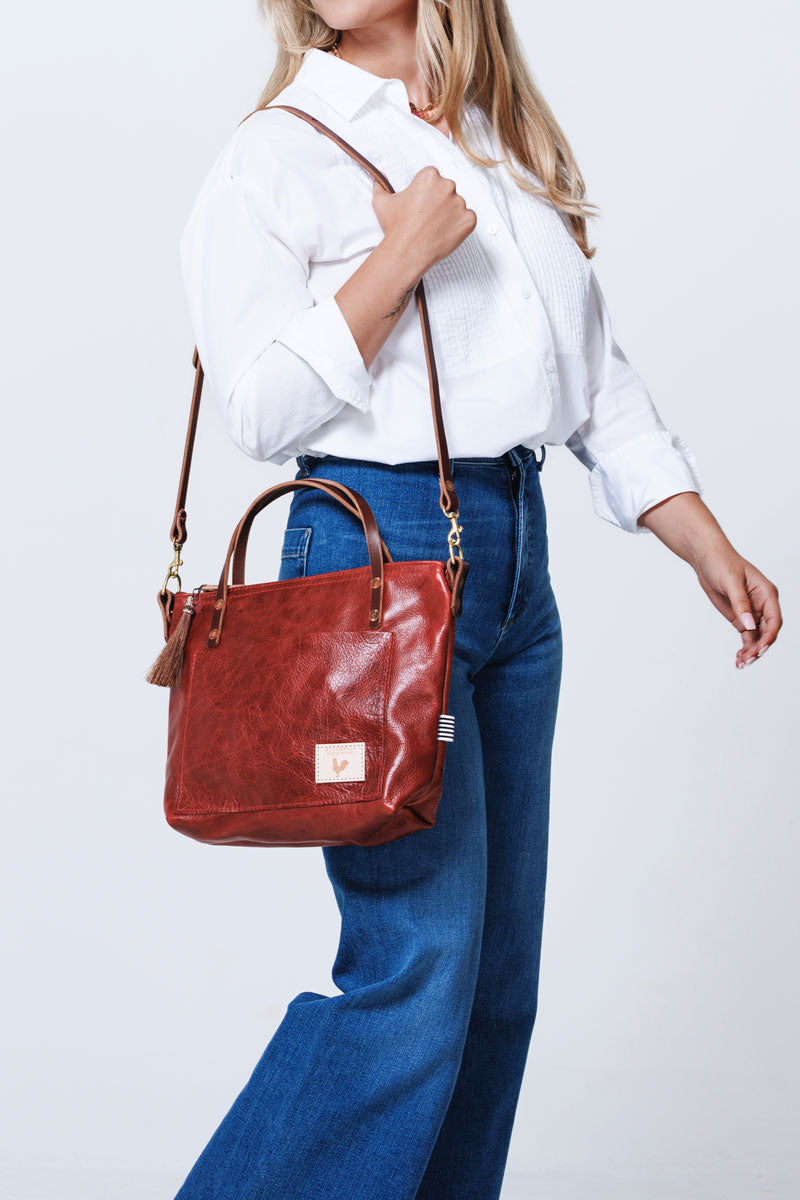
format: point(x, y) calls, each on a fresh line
point(453, 534)
point(172, 573)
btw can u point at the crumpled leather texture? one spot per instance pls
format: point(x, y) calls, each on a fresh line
point(298, 665)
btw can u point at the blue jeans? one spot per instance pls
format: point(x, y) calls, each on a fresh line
point(404, 1084)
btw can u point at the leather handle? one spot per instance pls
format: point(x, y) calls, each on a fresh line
point(240, 553)
point(447, 491)
point(343, 495)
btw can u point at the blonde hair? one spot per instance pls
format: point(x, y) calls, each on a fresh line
point(468, 52)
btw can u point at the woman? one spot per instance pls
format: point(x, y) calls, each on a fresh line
point(299, 273)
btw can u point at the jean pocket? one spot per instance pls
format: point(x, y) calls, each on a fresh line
point(294, 552)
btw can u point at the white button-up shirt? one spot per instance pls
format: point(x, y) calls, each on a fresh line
point(522, 337)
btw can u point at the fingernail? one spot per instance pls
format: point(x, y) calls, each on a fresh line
point(747, 661)
point(739, 666)
point(748, 620)
point(763, 650)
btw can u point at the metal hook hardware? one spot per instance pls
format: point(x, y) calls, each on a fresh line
point(172, 573)
point(453, 534)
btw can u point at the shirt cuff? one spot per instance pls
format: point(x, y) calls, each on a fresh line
point(628, 480)
point(322, 337)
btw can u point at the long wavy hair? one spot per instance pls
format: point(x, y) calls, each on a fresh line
point(469, 53)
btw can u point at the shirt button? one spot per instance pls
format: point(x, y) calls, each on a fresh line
point(492, 229)
point(525, 293)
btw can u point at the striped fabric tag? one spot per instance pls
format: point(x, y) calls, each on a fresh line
point(447, 726)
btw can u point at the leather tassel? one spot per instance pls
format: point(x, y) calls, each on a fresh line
point(166, 670)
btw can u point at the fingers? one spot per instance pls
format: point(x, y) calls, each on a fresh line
point(742, 610)
point(770, 621)
point(766, 611)
point(743, 620)
point(747, 654)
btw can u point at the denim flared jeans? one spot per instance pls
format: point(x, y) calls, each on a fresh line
point(403, 1084)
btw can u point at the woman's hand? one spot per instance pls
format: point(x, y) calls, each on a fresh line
point(744, 596)
point(422, 224)
point(736, 588)
point(426, 220)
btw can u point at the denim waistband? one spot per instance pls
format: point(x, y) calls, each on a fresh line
point(511, 458)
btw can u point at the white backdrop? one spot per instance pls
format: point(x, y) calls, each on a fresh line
point(145, 973)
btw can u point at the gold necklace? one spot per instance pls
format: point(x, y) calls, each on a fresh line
point(418, 112)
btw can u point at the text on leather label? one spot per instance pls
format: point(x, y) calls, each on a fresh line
point(340, 762)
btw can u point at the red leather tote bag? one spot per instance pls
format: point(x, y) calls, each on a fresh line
point(311, 711)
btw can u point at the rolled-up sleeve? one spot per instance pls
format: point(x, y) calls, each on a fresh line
point(633, 459)
point(278, 362)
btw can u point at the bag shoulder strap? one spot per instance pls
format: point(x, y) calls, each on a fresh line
point(448, 498)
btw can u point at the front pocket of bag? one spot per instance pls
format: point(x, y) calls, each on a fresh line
point(260, 724)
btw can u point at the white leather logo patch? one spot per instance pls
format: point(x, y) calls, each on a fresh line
point(340, 762)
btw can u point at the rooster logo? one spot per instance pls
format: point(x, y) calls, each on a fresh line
point(339, 763)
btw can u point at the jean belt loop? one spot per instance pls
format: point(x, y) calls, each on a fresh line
point(540, 461)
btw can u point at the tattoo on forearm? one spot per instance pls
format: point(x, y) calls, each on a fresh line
point(404, 299)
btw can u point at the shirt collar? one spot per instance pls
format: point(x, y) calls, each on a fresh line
point(343, 85)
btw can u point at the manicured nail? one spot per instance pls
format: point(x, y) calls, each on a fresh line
point(748, 620)
point(739, 666)
point(747, 661)
point(763, 650)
